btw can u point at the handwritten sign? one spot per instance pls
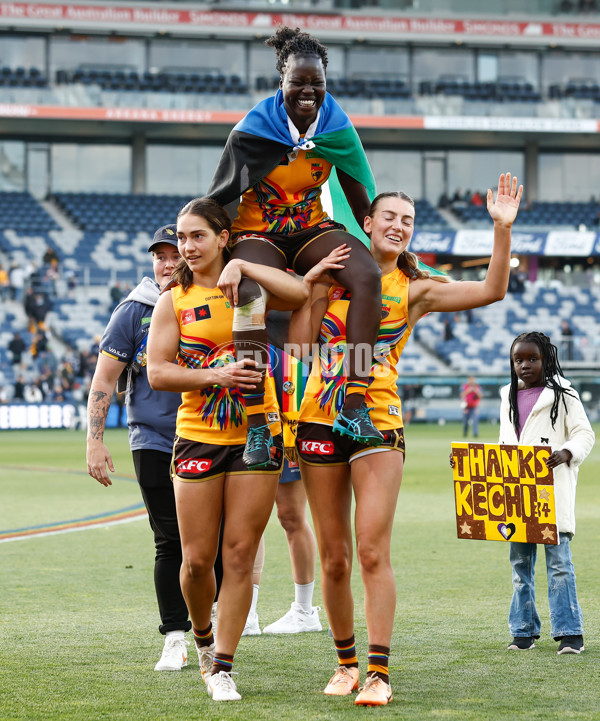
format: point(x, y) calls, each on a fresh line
point(504, 493)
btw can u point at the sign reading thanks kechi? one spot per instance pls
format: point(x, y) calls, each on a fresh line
point(504, 493)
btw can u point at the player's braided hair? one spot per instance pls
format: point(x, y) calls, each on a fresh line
point(550, 369)
point(408, 262)
point(294, 42)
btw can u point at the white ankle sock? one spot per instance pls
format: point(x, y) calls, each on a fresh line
point(304, 595)
point(175, 634)
point(254, 598)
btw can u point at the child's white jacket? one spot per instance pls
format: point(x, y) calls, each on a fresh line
point(572, 431)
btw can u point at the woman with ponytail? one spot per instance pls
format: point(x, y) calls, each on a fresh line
point(333, 467)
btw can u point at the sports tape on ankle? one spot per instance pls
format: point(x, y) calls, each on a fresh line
point(251, 316)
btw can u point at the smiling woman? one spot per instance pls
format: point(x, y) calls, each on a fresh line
point(192, 324)
point(333, 468)
point(278, 159)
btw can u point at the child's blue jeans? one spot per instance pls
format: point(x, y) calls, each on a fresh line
point(566, 618)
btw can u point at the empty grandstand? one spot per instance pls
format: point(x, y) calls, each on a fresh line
point(112, 121)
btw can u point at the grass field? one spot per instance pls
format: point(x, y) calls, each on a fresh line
point(78, 616)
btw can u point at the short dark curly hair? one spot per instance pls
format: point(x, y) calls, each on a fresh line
point(295, 42)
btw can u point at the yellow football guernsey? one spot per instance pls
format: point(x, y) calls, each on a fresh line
point(213, 415)
point(325, 391)
point(286, 200)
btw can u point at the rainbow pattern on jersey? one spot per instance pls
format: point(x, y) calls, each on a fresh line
point(283, 214)
point(332, 348)
point(390, 334)
point(222, 407)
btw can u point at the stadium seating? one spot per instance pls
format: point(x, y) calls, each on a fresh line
point(22, 78)
point(481, 347)
point(21, 211)
point(518, 91)
point(579, 89)
point(537, 214)
point(97, 212)
point(428, 218)
point(163, 81)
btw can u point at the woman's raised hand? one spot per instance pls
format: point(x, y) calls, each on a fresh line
point(504, 210)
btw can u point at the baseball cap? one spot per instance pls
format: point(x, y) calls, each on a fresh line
point(166, 234)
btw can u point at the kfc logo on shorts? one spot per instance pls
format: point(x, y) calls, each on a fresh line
point(193, 465)
point(319, 448)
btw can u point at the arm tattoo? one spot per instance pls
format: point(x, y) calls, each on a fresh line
point(99, 403)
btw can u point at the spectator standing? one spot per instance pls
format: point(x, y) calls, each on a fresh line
point(16, 347)
point(17, 281)
point(151, 431)
point(4, 283)
point(471, 398)
point(19, 389)
point(116, 293)
point(540, 403)
point(566, 343)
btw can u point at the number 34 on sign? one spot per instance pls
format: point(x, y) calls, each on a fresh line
point(504, 493)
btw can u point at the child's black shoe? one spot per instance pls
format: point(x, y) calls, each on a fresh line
point(570, 644)
point(522, 643)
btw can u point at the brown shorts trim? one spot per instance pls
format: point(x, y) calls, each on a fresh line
point(318, 445)
point(292, 244)
point(253, 236)
point(195, 462)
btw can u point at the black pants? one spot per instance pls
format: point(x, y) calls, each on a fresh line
point(152, 471)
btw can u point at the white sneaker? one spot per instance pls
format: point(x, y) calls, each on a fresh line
point(251, 628)
point(206, 655)
point(221, 687)
point(296, 620)
point(174, 656)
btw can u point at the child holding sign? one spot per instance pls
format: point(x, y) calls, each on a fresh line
point(539, 407)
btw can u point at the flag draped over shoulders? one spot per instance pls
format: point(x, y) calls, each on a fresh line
point(259, 141)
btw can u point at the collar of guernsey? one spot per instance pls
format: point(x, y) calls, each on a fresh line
point(258, 142)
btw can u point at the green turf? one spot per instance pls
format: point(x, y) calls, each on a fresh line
point(78, 621)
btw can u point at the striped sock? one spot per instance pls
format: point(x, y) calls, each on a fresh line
point(357, 385)
point(204, 638)
point(222, 662)
point(355, 393)
point(346, 652)
point(379, 659)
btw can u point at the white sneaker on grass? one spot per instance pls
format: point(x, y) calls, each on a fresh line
point(221, 687)
point(296, 620)
point(251, 628)
point(174, 656)
point(206, 656)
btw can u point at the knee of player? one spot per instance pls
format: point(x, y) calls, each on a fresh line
point(370, 557)
point(366, 279)
point(238, 558)
point(197, 566)
point(248, 291)
point(291, 520)
point(337, 566)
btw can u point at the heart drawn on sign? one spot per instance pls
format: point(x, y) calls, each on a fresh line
point(507, 530)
